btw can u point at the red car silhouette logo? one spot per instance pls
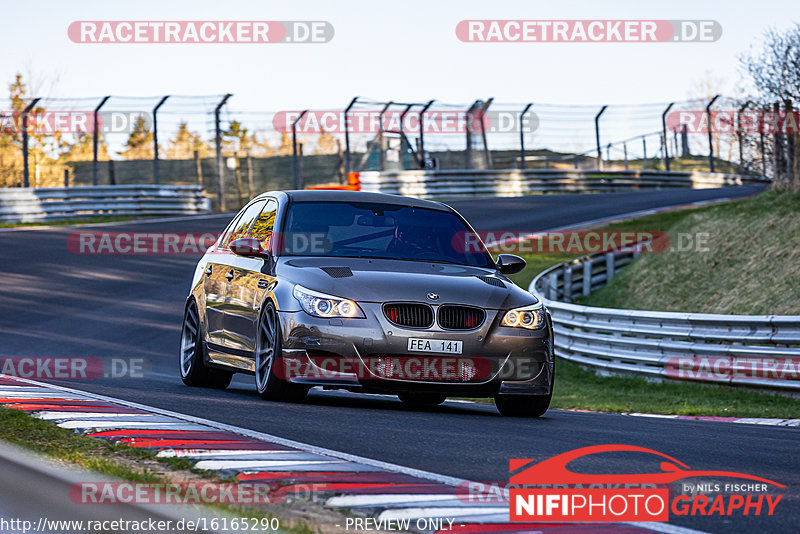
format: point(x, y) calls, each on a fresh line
point(554, 470)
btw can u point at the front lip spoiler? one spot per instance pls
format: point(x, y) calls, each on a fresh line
point(351, 380)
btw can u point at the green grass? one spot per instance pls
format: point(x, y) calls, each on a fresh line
point(98, 455)
point(749, 264)
point(72, 222)
point(752, 266)
point(580, 389)
point(116, 460)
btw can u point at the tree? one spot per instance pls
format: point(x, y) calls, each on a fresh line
point(140, 141)
point(82, 149)
point(326, 144)
point(774, 69)
point(237, 139)
point(185, 143)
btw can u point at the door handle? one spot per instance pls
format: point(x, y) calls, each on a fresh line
point(229, 275)
point(208, 271)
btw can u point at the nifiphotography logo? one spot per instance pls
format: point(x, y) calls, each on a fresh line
point(550, 491)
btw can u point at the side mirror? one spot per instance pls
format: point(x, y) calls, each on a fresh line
point(248, 247)
point(509, 264)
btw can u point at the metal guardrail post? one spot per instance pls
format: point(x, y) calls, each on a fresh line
point(96, 138)
point(664, 133)
point(295, 162)
point(609, 266)
point(347, 136)
point(218, 144)
point(156, 169)
point(710, 137)
point(25, 171)
point(553, 285)
point(597, 137)
point(522, 136)
point(587, 277)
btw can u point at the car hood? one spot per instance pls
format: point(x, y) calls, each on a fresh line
point(383, 280)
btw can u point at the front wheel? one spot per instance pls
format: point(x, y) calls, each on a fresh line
point(268, 353)
point(193, 370)
point(522, 405)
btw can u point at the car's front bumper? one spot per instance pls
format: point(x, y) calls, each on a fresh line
point(371, 354)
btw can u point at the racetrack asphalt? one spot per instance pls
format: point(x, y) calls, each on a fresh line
point(54, 302)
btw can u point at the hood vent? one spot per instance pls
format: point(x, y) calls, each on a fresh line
point(492, 281)
point(338, 272)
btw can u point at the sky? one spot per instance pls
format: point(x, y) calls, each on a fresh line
point(400, 50)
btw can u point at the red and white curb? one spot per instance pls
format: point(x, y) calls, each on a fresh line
point(371, 487)
point(742, 420)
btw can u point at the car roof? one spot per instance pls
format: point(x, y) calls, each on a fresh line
point(328, 195)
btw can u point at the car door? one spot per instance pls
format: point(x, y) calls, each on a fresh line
point(251, 278)
point(215, 284)
point(230, 266)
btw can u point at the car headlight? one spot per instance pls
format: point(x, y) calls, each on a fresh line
point(530, 317)
point(326, 306)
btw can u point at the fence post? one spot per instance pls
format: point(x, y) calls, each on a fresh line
point(156, 170)
point(198, 167)
point(250, 186)
point(644, 152)
point(96, 138)
point(347, 135)
point(295, 164)
point(487, 155)
point(597, 137)
point(664, 134)
point(112, 178)
point(710, 137)
point(421, 145)
point(25, 172)
point(522, 136)
point(740, 133)
point(218, 144)
point(66, 177)
point(625, 153)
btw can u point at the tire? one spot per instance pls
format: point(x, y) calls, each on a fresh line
point(268, 350)
point(192, 367)
point(522, 405)
point(422, 400)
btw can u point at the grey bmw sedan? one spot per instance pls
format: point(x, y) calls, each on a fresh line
point(365, 292)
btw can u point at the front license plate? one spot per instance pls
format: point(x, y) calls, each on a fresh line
point(435, 345)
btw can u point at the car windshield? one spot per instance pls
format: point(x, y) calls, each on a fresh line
point(367, 230)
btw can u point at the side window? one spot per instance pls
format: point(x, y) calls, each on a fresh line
point(264, 225)
point(243, 224)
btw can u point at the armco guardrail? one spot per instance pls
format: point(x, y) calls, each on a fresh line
point(58, 203)
point(752, 350)
point(509, 183)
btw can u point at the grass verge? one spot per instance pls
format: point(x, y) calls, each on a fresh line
point(71, 222)
point(746, 260)
point(747, 239)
